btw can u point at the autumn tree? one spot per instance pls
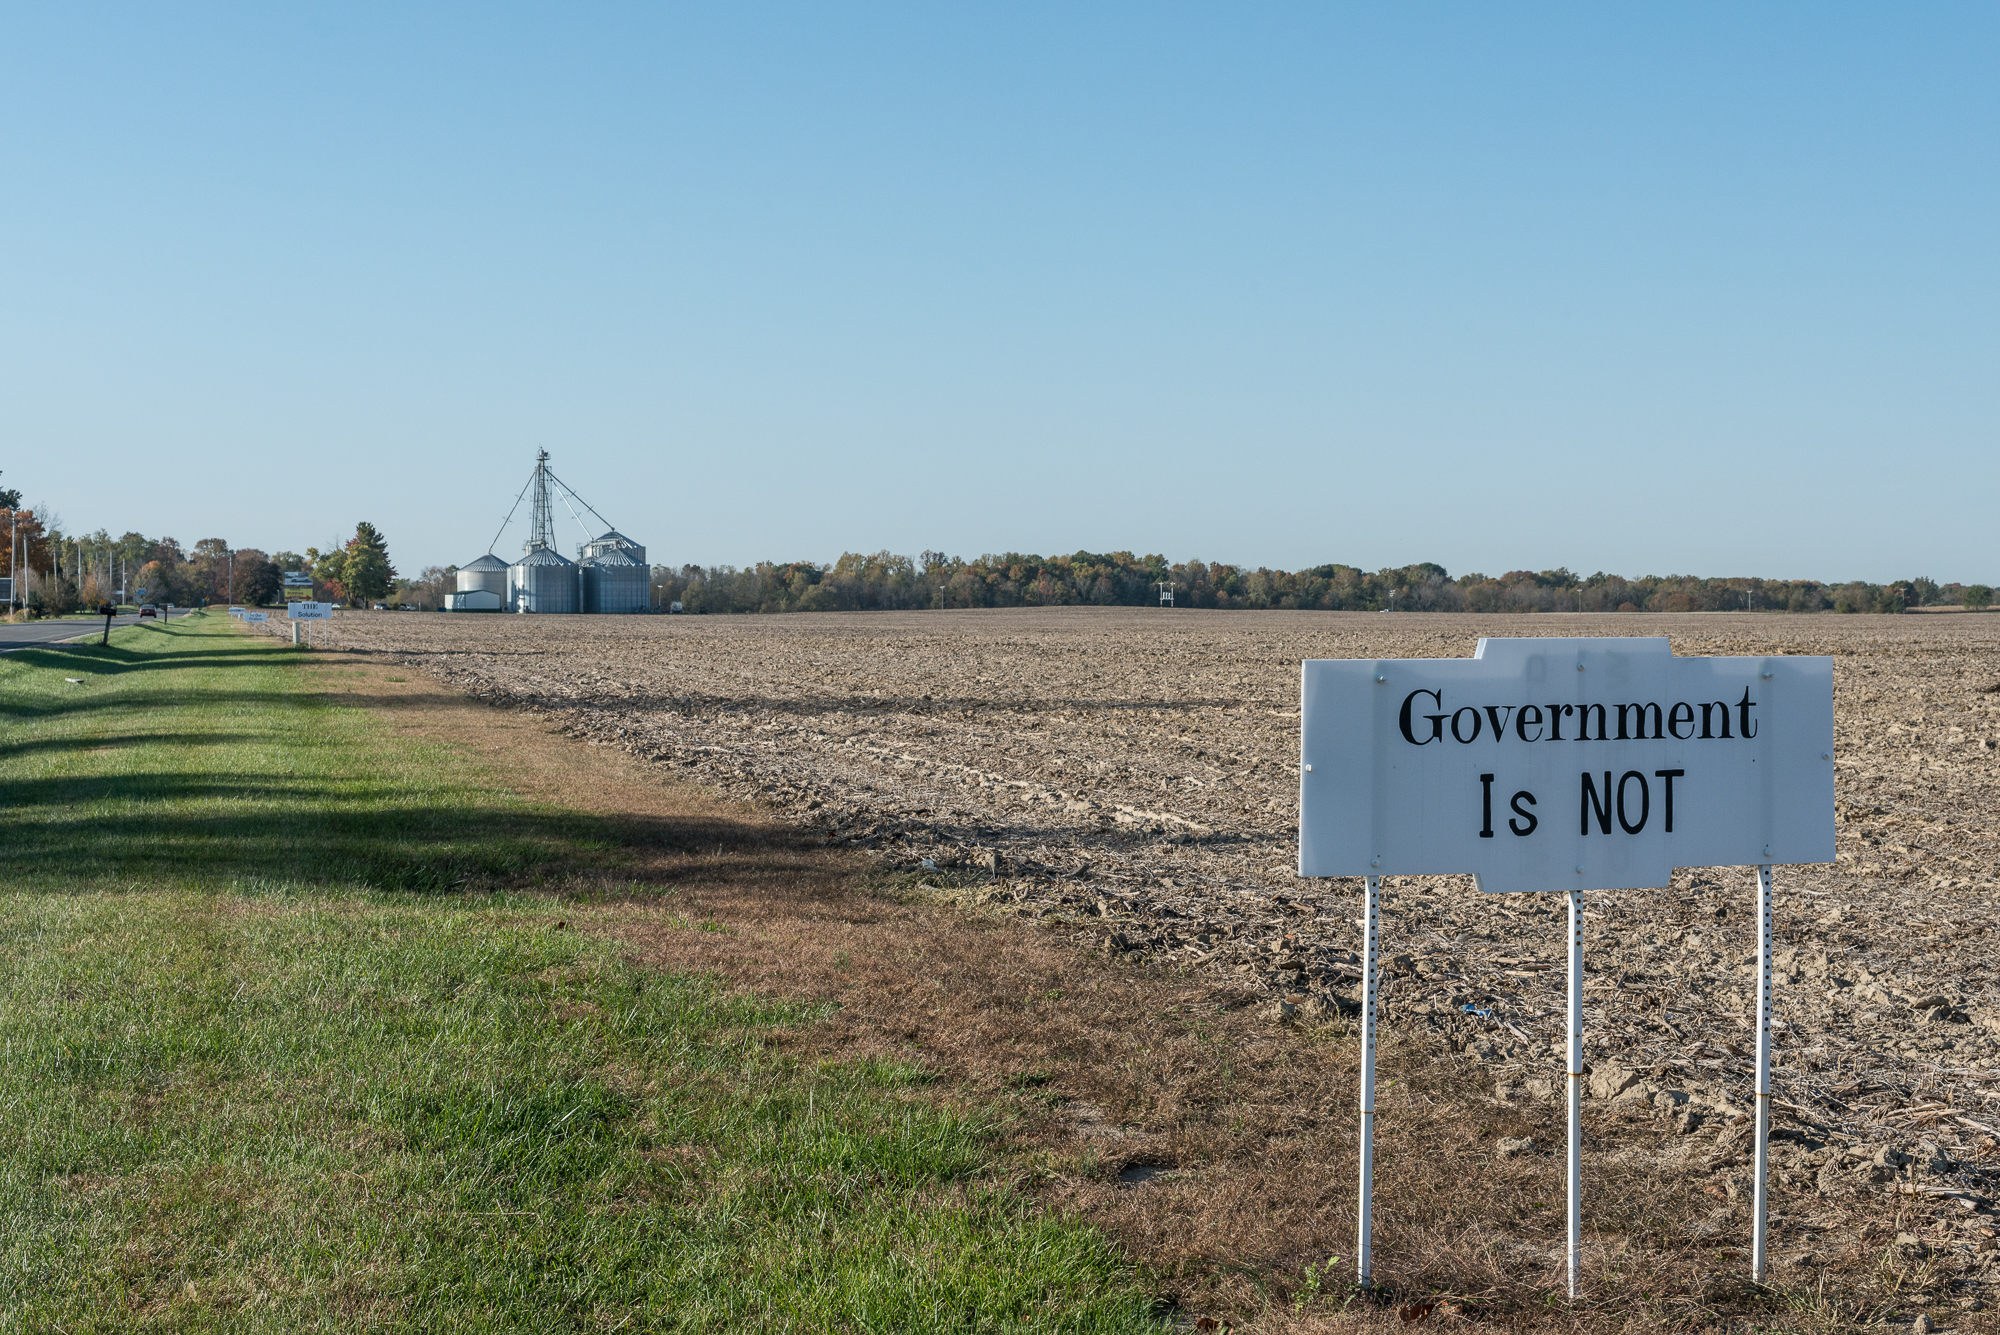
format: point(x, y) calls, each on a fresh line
point(329, 572)
point(208, 570)
point(166, 582)
point(29, 539)
point(365, 568)
point(258, 579)
point(427, 591)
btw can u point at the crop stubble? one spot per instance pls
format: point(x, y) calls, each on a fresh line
point(1132, 776)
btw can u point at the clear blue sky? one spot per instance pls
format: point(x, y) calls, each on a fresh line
point(1706, 290)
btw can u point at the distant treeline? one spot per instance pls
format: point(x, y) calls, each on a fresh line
point(884, 582)
point(61, 571)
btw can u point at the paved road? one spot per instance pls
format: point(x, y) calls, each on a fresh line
point(54, 632)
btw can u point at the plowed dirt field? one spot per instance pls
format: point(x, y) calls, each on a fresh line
point(1131, 776)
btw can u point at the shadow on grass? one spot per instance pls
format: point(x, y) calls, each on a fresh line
point(15, 709)
point(179, 805)
point(117, 659)
point(113, 741)
point(210, 827)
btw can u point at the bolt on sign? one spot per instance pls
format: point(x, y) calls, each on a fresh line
point(1541, 765)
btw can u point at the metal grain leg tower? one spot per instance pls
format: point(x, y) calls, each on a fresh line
point(543, 580)
point(541, 519)
point(610, 576)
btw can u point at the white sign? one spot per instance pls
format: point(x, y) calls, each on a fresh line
point(303, 611)
point(1571, 765)
point(255, 616)
point(1564, 764)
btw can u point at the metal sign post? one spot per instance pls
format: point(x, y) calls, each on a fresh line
point(1418, 767)
point(1763, 1072)
point(1370, 1001)
point(1573, 1159)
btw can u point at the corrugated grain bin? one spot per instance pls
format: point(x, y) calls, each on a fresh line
point(614, 582)
point(543, 580)
point(614, 541)
point(486, 575)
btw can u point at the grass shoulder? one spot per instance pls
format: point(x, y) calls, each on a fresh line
point(297, 1043)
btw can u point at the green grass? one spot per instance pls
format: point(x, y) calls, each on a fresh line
point(278, 1055)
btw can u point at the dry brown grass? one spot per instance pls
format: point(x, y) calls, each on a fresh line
point(1092, 1065)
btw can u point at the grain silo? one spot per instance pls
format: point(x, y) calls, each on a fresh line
point(482, 586)
point(543, 580)
point(613, 541)
point(612, 575)
point(614, 582)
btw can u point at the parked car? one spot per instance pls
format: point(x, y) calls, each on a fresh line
point(149, 612)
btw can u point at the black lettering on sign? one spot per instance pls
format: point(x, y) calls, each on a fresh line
point(1437, 720)
point(1645, 802)
point(1556, 713)
point(1486, 806)
point(1638, 713)
point(1669, 775)
point(1638, 721)
point(1459, 736)
point(1530, 717)
point(1601, 804)
point(1523, 796)
point(1583, 720)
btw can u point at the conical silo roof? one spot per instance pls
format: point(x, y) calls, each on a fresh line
point(612, 556)
point(543, 556)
